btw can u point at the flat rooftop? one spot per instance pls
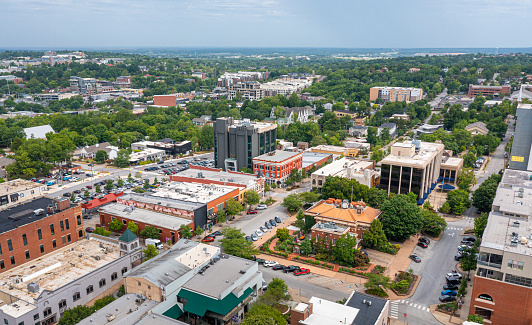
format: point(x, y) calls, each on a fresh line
point(219, 277)
point(162, 201)
point(261, 126)
point(219, 175)
point(22, 214)
point(56, 269)
point(145, 152)
point(341, 168)
point(329, 227)
point(514, 194)
point(325, 147)
point(524, 106)
point(126, 311)
point(145, 216)
point(328, 312)
point(17, 185)
point(426, 153)
point(193, 192)
point(310, 158)
point(503, 233)
point(277, 156)
point(452, 162)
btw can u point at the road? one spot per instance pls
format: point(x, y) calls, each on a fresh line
point(433, 103)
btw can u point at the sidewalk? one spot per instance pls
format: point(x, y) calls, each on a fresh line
point(402, 259)
point(445, 318)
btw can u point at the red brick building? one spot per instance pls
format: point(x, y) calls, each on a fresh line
point(36, 228)
point(165, 100)
point(488, 90)
point(277, 165)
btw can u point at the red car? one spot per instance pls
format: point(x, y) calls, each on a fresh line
point(302, 271)
point(422, 244)
point(89, 187)
point(207, 239)
point(252, 212)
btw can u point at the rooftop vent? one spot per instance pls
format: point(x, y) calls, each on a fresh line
point(516, 224)
point(33, 287)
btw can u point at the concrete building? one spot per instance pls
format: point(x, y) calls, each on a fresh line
point(49, 97)
point(19, 190)
point(76, 274)
point(231, 78)
point(522, 143)
point(335, 218)
point(285, 86)
point(404, 117)
point(363, 171)
point(277, 165)
point(202, 120)
point(358, 131)
point(428, 129)
point(248, 90)
point(170, 147)
point(90, 151)
point(123, 82)
point(396, 94)
point(372, 310)
point(412, 166)
point(477, 128)
point(335, 150)
point(502, 286)
point(146, 154)
point(176, 279)
point(488, 90)
point(237, 142)
point(38, 132)
point(450, 169)
point(315, 159)
point(344, 112)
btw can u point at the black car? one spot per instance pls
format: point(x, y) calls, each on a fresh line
point(217, 233)
point(424, 240)
point(458, 257)
point(447, 298)
point(273, 223)
point(67, 194)
point(277, 219)
point(278, 267)
point(450, 287)
point(467, 240)
point(291, 268)
point(77, 191)
point(267, 224)
point(455, 281)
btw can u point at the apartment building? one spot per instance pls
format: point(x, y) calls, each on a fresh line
point(231, 78)
point(294, 114)
point(502, 285)
point(50, 97)
point(488, 90)
point(412, 166)
point(170, 147)
point(123, 82)
point(277, 165)
point(335, 150)
point(19, 190)
point(363, 171)
point(145, 155)
point(285, 86)
point(249, 90)
point(237, 142)
point(521, 147)
point(396, 94)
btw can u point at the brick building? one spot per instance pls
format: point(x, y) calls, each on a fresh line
point(38, 227)
point(277, 165)
point(396, 94)
point(165, 100)
point(488, 90)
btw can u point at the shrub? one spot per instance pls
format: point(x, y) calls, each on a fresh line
point(377, 292)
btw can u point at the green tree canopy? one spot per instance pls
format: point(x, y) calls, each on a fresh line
point(116, 225)
point(400, 217)
point(234, 243)
point(150, 252)
point(101, 156)
point(185, 231)
point(150, 232)
point(374, 236)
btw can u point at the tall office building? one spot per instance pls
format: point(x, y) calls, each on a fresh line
point(237, 142)
point(521, 154)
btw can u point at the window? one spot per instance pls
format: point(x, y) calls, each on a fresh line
point(78, 218)
point(80, 233)
point(39, 233)
point(52, 231)
point(90, 289)
point(124, 270)
point(76, 296)
point(25, 239)
point(68, 238)
point(54, 244)
point(27, 254)
point(9, 245)
point(47, 311)
point(62, 304)
point(36, 316)
point(2, 265)
point(139, 283)
point(5, 321)
point(21, 323)
point(0, 249)
point(114, 276)
point(63, 238)
point(516, 265)
point(67, 224)
point(12, 260)
point(42, 248)
point(62, 225)
point(102, 283)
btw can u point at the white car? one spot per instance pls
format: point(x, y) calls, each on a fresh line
point(259, 233)
point(262, 207)
point(270, 263)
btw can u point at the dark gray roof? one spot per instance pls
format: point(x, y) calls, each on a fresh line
point(166, 140)
point(163, 201)
point(359, 127)
point(388, 125)
point(367, 314)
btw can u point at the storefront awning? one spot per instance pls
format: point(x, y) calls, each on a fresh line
point(198, 304)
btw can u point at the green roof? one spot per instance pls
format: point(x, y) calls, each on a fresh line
point(174, 312)
point(198, 304)
point(128, 236)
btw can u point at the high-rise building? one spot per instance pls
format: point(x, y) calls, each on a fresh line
point(396, 94)
point(237, 142)
point(521, 147)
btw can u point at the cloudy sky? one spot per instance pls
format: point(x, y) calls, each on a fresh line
point(265, 23)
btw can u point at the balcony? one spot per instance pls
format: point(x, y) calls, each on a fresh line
point(490, 264)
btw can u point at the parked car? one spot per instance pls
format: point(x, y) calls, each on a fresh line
point(77, 191)
point(89, 229)
point(301, 271)
point(270, 263)
point(262, 207)
point(450, 287)
point(277, 219)
point(424, 240)
point(50, 183)
point(291, 268)
point(217, 233)
point(254, 237)
point(67, 194)
point(88, 175)
point(33, 179)
point(207, 239)
point(264, 229)
point(252, 212)
point(462, 247)
point(273, 223)
point(89, 187)
point(447, 298)
point(87, 217)
point(448, 293)
point(422, 244)
point(415, 258)
point(259, 233)
point(454, 281)
point(267, 225)
point(259, 260)
point(458, 256)
point(468, 240)
point(248, 238)
point(278, 267)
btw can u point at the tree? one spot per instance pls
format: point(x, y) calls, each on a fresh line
point(292, 202)
point(251, 197)
point(206, 137)
point(233, 207)
point(133, 227)
point(120, 182)
point(466, 179)
point(400, 217)
point(199, 231)
point(122, 158)
point(374, 236)
point(277, 293)
point(220, 216)
point(102, 232)
point(234, 243)
point(377, 155)
point(150, 252)
point(309, 197)
point(150, 232)
point(262, 314)
point(377, 281)
point(109, 185)
point(480, 224)
point(185, 231)
point(433, 224)
point(475, 318)
point(86, 193)
point(101, 156)
point(155, 181)
point(306, 247)
point(458, 201)
point(130, 178)
point(300, 219)
point(72, 197)
point(445, 208)
point(469, 160)
point(116, 225)
point(344, 248)
point(468, 262)
point(485, 193)
point(260, 319)
point(282, 233)
point(146, 184)
point(98, 189)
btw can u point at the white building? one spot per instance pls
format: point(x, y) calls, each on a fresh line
point(90, 151)
point(363, 171)
point(38, 132)
point(146, 154)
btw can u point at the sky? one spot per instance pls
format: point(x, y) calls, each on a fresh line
point(71, 24)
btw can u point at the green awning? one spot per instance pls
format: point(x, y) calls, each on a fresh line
point(173, 312)
point(199, 304)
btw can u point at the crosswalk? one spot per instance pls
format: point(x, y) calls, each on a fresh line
point(454, 228)
point(469, 218)
point(394, 307)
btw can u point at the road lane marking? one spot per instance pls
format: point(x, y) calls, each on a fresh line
point(415, 305)
point(419, 307)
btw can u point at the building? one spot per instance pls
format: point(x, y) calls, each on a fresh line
point(19, 190)
point(123, 82)
point(392, 129)
point(206, 175)
point(199, 75)
point(277, 165)
point(204, 119)
point(502, 285)
point(284, 145)
point(344, 112)
point(90, 151)
point(335, 218)
point(522, 142)
point(335, 150)
point(168, 225)
point(328, 106)
point(401, 117)
point(4, 162)
point(413, 70)
point(101, 199)
point(359, 144)
point(315, 159)
point(412, 166)
point(145, 155)
point(294, 114)
point(358, 131)
point(237, 142)
point(450, 169)
point(285, 86)
point(49, 97)
point(477, 128)
point(372, 310)
point(302, 145)
point(75, 274)
point(165, 100)
point(248, 90)
point(231, 78)
point(363, 171)
point(176, 279)
point(170, 147)
point(488, 90)
point(524, 92)
point(395, 94)
point(38, 132)
point(428, 129)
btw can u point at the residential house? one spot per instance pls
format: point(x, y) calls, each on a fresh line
point(90, 151)
point(477, 128)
